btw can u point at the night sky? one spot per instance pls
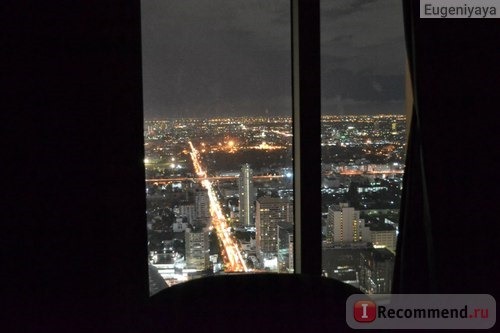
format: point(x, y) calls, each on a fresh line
point(206, 58)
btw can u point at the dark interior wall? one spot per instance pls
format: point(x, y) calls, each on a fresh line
point(457, 83)
point(73, 233)
point(449, 197)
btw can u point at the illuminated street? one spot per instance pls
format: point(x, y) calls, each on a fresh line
point(233, 260)
point(179, 179)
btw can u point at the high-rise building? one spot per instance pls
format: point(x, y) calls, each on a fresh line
point(247, 196)
point(383, 235)
point(376, 268)
point(197, 249)
point(201, 206)
point(269, 212)
point(343, 225)
point(189, 211)
point(285, 247)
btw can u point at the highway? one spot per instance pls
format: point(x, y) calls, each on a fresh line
point(233, 260)
point(373, 172)
point(267, 177)
point(196, 179)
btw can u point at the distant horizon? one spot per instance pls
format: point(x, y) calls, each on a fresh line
point(270, 116)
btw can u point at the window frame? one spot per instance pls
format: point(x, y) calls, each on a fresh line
point(306, 104)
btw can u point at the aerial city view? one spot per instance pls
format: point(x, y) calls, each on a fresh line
point(218, 137)
point(220, 196)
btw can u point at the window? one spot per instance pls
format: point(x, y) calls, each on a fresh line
point(218, 138)
point(363, 140)
point(219, 135)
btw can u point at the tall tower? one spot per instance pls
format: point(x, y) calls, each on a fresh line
point(376, 269)
point(247, 196)
point(270, 212)
point(343, 224)
point(202, 206)
point(197, 249)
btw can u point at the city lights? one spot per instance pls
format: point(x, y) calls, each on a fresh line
point(194, 154)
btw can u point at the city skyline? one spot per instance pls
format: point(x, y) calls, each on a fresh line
point(210, 59)
point(216, 174)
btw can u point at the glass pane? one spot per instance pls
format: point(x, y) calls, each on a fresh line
point(363, 139)
point(218, 138)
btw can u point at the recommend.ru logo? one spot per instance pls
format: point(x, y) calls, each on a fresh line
point(421, 311)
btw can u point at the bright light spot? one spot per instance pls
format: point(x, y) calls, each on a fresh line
point(172, 165)
point(231, 144)
point(173, 159)
point(146, 161)
point(289, 175)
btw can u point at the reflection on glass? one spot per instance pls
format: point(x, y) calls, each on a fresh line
point(363, 139)
point(218, 138)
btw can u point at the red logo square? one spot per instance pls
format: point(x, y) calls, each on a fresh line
point(365, 311)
